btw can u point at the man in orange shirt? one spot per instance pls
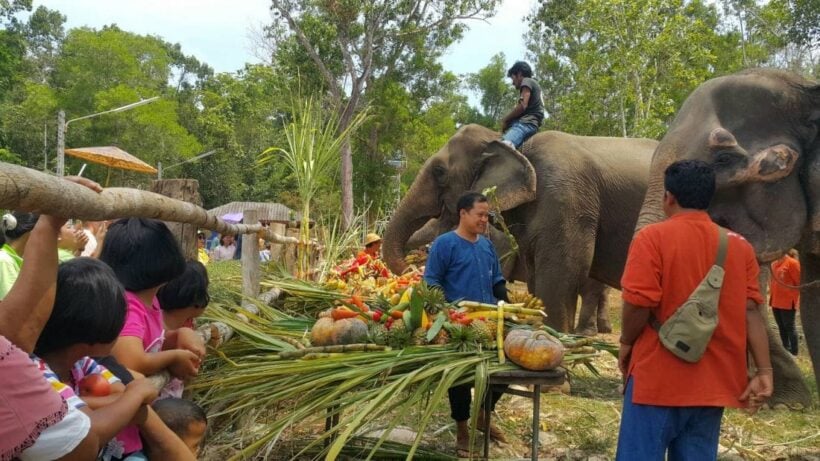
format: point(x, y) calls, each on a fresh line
point(785, 300)
point(671, 405)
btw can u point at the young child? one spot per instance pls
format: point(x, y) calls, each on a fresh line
point(185, 298)
point(185, 418)
point(145, 256)
point(88, 314)
point(182, 300)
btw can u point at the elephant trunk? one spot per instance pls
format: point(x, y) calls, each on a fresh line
point(652, 208)
point(418, 206)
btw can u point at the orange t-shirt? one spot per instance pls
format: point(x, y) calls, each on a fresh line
point(666, 262)
point(786, 270)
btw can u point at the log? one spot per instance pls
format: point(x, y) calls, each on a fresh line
point(186, 190)
point(24, 189)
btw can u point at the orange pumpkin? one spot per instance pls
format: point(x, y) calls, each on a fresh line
point(328, 332)
point(533, 350)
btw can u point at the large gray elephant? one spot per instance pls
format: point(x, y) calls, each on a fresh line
point(759, 128)
point(593, 317)
point(570, 202)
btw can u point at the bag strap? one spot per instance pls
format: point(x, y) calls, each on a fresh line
point(723, 247)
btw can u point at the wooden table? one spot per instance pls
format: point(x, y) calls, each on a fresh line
point(522, 377)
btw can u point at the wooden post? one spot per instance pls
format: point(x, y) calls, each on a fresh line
point(250, 258)
point(186, 190)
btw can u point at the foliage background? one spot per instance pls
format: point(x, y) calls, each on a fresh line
point(617, 68)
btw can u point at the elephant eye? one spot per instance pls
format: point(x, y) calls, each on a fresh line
point(726, 158)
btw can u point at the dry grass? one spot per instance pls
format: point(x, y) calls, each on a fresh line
point(582, 425)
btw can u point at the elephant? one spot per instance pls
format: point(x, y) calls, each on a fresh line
point(571, 202)
point(593, 317)
point(759, 129)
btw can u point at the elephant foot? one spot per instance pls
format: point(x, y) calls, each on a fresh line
point(604, 326)
point(587, 331)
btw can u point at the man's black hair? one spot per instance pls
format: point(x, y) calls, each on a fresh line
point(178, 414)
point(25, 223)
point(468, 200)
point(692, 182)
point(143, 253)
point(520, 67)
point(188, 290)
point(89, 307)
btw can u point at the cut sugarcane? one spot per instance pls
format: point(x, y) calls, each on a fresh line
point(510, 308)
point(499, 336)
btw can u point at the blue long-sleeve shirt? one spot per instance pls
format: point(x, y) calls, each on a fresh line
point(463, 269)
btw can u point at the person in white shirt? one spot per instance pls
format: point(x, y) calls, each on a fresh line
point(226, 249)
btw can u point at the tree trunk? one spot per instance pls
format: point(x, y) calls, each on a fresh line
point(186, 190)
point(347, 184)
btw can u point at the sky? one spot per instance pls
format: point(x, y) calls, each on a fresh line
point(219, 32)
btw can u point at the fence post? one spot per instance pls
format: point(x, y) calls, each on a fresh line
point(250, 258)
point(186, 190)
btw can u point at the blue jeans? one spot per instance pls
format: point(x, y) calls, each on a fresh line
point(648, 431)
point(518, 132)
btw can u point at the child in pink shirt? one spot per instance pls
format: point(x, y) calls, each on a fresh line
point(145, 256)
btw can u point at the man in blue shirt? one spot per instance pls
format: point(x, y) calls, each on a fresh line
point(464, 265)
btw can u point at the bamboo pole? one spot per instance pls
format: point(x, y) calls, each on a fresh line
point(24, 189)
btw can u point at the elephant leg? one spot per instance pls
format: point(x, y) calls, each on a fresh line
point(561, 267)
point(604, 324)
point(592, 297)
point(810, 307)
point(789, 386)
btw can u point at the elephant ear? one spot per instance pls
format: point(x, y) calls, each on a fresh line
point(510, 172)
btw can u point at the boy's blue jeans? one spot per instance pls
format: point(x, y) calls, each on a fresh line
point(648, 431)
point(518, 132)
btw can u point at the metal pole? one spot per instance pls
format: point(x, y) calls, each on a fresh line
point(159, 170)
point(61, 143)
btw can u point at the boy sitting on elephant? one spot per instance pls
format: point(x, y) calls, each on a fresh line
point(525, 118)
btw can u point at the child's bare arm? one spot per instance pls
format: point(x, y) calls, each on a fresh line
point(185, 338)
point(108, 421)
point(129, 352)
point(98, 402)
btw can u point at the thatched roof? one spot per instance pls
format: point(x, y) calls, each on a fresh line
point(113, 157)
point(267, 211)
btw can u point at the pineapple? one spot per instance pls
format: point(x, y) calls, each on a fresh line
point(461, 336)
point(484, 332)
point(377, 334)
point(398, 337)
point(441, 338)
point(433, 298)
point(419, 337)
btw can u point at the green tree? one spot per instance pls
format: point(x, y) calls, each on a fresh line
point(620, 67)
point(497, 95)
point(350, 44)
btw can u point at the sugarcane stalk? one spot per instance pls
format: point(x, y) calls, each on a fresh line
point(320, 355)
point(499, 333)
point(513, 308)
point(338, 348)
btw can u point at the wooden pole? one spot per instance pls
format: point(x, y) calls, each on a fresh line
point(186, 190)
point(250, 258)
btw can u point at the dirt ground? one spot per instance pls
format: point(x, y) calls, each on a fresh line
point(583, 425)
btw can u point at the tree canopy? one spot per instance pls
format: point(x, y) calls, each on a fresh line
point(614, 67)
